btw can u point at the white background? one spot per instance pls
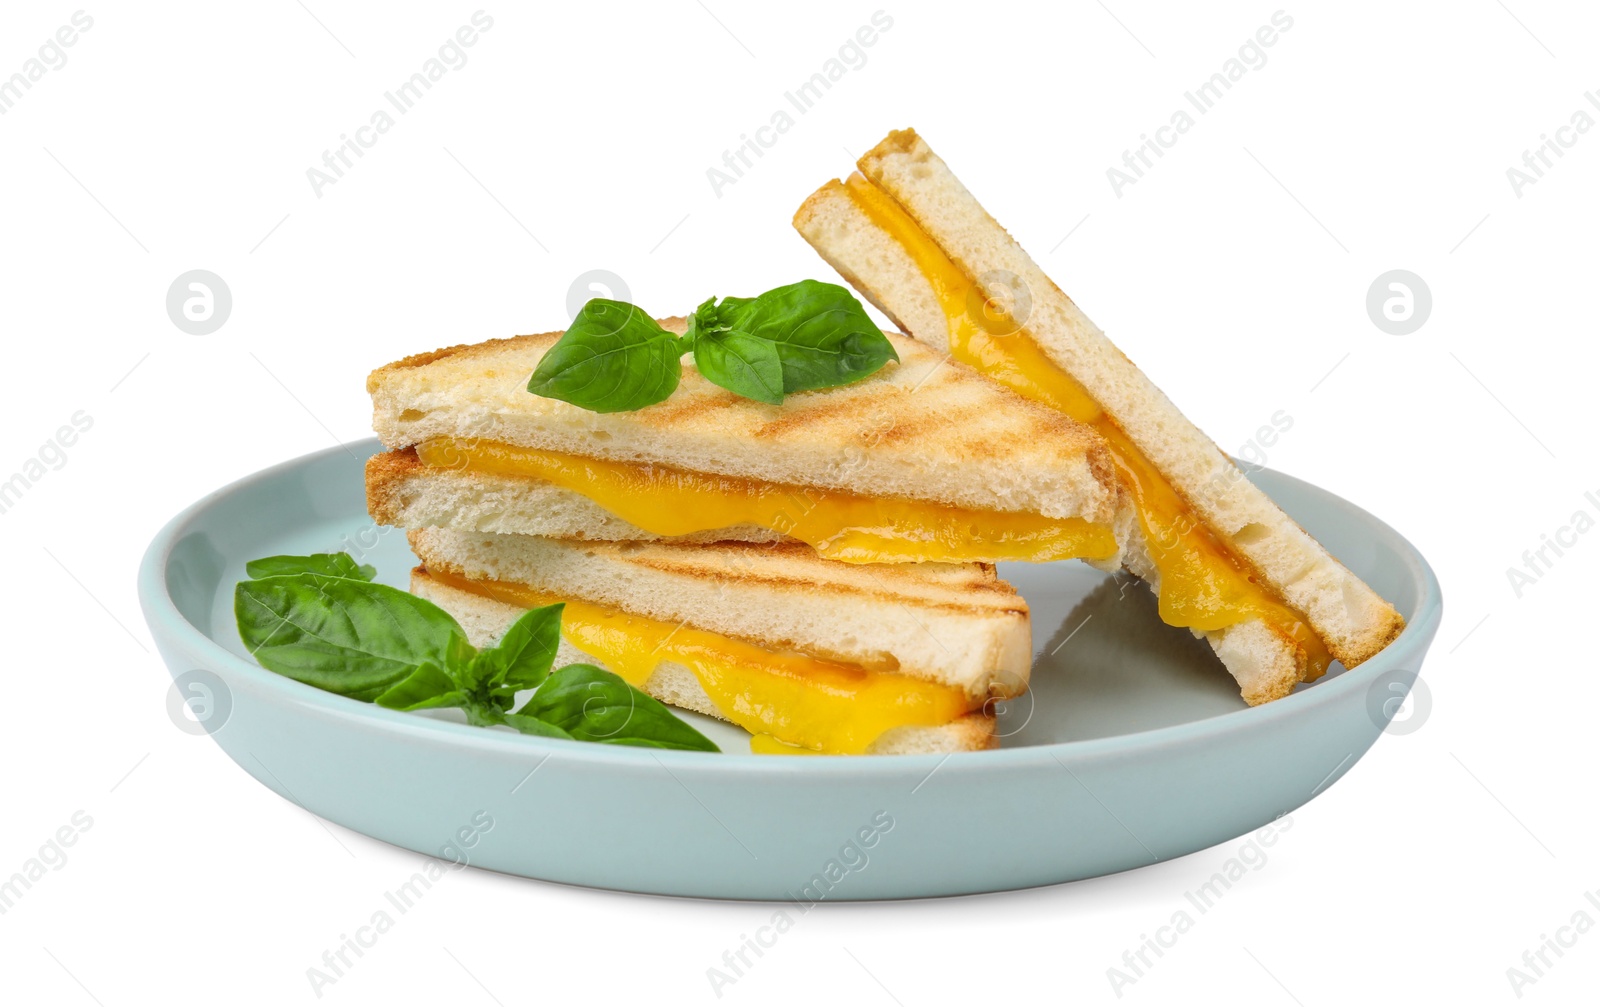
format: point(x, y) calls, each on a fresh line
point(577, 136)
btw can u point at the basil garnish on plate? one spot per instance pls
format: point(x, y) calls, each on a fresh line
point(321, 620)
point(800, 337)
point(592, 704)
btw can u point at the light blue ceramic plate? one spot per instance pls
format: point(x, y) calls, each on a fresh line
point(1133, 745)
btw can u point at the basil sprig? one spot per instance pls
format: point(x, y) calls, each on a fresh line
point(321, 620)
point(801, 337)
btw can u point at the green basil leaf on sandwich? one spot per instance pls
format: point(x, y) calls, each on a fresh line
point(612, 358)
point(741, 363)
point(820, 331)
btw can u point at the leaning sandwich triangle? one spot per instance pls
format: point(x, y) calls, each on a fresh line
point(1223, 559)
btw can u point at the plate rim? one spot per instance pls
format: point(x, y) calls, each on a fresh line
point(163, 618)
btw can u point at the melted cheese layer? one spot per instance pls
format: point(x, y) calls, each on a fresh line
point(840, 526)
point(788, 701)
point(1204, 584)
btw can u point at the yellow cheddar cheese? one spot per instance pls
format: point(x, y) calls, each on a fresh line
point(840, 526)
point(789, 702)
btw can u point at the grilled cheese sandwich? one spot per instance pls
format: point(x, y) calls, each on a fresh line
point(1224, 560)
point(919, 462)
point(806, 654)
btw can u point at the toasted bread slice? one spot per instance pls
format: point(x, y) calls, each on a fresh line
point(952, 624)
point(405, 493)
point(1346, 616)
point(920, 430)
point(486, 619)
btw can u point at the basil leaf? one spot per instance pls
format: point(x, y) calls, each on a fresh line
point(821, 332)
point(346, 636)
point(525, 653)
point(329, 564)
point(702, 322)
point(592, 704)
point(426, 688)
point(535, 726)
point(741, 363)
point(612, 358)
point(729, 305)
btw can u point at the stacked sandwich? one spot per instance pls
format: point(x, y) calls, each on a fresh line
point(819, 569)
point(819, 572)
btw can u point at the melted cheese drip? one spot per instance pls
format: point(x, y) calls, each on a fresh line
point(789, 702)
point(1205, 585)
point(852, 529)
point(766, 744)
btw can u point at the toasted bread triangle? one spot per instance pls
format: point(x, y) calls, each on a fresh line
point(923, 429)
point(1349, 617)
point(486, 620)
point(952, 623)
